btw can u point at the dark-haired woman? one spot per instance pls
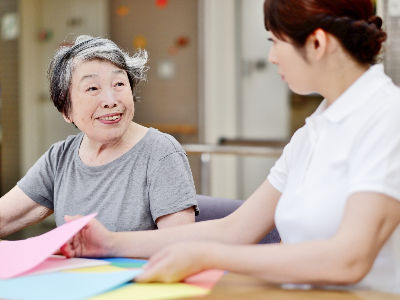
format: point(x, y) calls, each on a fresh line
point(334, 193)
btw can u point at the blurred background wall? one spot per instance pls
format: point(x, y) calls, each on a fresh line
point(9, 95)
point(209, 80)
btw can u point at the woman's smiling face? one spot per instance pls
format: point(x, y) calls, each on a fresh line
point(102, 101)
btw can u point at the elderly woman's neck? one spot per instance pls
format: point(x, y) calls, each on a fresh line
point(96, 153)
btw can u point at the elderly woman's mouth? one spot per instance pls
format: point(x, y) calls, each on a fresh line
point(109, 119)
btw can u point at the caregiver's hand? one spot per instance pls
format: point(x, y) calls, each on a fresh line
point(176, 262)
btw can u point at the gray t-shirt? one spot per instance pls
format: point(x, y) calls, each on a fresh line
point(151, 180)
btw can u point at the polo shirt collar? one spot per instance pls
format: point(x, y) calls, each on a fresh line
point(354, 96)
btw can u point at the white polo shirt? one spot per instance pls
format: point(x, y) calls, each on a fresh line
point(353, 145)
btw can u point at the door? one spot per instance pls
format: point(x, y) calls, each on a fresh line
point(263, 105)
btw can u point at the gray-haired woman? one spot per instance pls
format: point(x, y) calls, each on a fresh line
point(135, 178)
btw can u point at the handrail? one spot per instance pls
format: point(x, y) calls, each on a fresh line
point(224, 141)
point(235, 150)
point(184, 129)
point(206, 150)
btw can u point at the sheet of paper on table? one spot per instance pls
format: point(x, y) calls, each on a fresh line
point(17, 257)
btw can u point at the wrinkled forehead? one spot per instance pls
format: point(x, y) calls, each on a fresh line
point(100, 56)
point(93, 68)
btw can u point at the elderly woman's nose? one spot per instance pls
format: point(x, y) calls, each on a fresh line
point(108, 99)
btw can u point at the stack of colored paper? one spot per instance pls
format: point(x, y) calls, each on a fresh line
point(28, 270)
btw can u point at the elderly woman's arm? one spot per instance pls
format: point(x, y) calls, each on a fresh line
point(369, 220)
point(185, 216)
point(248, 224)
point(17, 211)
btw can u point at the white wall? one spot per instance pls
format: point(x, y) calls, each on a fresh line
point(219, 42)
point(264, 103)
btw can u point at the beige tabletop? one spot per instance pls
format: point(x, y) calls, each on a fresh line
point(233, 286)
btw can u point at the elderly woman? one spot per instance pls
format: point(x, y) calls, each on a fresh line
point(135, 178)
point(334, 194)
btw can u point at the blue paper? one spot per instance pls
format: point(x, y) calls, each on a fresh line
point(123, 259)
point(63, 285)
point(125, 262)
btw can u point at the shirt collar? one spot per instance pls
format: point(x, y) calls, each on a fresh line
point(354, 96)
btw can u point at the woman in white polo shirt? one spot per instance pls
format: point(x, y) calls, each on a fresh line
point(334, 193)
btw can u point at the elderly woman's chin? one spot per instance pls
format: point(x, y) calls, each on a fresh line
point(109, 133)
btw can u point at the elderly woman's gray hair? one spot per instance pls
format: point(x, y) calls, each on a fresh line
point(86, 48)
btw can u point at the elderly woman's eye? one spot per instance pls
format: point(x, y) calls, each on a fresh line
point(91, 88)
point(120, 83)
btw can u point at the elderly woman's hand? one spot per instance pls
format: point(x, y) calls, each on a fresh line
point(176, 262)
point(94, 240)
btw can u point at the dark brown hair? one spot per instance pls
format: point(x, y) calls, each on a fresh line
point(352, 22)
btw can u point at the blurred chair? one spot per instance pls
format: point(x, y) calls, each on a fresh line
point(216, 208)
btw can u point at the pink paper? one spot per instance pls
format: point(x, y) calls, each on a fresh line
point(57, 263)
point(206, 279)
point(17, 257)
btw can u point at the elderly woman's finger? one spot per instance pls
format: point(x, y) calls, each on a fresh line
point(67, 250)
point(74, 243)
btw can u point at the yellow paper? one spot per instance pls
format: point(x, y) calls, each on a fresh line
point(98, 269)
point(150, 291)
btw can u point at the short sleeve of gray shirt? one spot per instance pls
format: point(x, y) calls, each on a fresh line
point(151, 180)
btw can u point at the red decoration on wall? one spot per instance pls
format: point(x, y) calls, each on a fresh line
point(179, 43)
point(161, 3)
point(182, 41)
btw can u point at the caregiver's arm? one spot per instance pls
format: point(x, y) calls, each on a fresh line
point(368, 221)
point(17, 211)
point(248, 224)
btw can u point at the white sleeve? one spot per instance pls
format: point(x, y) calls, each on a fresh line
point(375, 159)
